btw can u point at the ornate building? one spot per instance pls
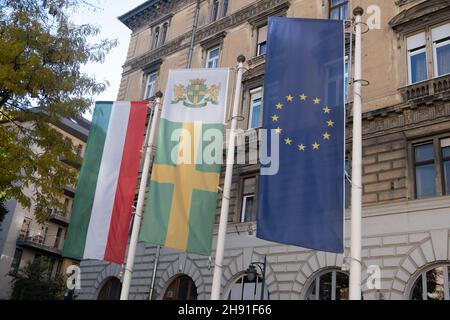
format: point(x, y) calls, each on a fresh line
point(406, 150)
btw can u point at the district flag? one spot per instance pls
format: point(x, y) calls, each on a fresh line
point(303, 204)
point(181, 206)
point(106, 187)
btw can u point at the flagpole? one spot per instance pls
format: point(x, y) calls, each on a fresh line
point(356, 209)
point(148, 149)
point(218, 268)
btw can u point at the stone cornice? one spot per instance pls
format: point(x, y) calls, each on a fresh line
point(182, 42)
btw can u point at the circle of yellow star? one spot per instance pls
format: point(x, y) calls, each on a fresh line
point(301, 147)
point(303, 97)
point(289, 98)
point(326, 136)
point(316, 146)
point(278, 130)
point(275, 118)
point(330, 123)
point(327, 110)
point(288, 141)
point(316, 101)
point(279, 106)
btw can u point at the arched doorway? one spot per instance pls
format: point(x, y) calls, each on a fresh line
point(181, 288)
point(110, 290)
point(246, 287)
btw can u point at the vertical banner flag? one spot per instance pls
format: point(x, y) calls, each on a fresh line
point(181, 206)
point(106, 187)
point(303, 204)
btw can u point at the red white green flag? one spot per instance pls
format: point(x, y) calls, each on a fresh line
point(106, 188)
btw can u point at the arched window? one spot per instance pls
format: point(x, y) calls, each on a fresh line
point(432, 284)
point(244, 288)
point(155, 37)
point(329, 285)
point(181, 288)
point(110, 289)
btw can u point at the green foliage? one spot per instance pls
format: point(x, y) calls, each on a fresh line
point(34, 283)
point(3, 211)
point(40, 82)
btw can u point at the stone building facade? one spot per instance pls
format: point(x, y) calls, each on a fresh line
point(406, 150)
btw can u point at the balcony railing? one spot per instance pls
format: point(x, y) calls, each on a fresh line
point(37, 240)
point(429, 88)
point(60, 217)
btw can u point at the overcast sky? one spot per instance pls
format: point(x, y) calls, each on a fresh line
point(112, 28)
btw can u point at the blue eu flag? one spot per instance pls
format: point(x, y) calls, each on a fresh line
point(303, 204)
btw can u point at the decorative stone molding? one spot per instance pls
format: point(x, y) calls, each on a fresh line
point(427, 91)
point(110, 270)
point(424, 14)
point(182, 42)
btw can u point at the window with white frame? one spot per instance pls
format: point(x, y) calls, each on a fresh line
point(417, 58)
point(329, 285)
point(262, 40)
point(248, 205)
point(151, 85)
point(212, 58)
point(155, 37)
point(441, 49)
point(432, 284)
point(339, 9)
point(255, 113)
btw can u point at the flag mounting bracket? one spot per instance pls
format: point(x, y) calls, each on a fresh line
point(364, 83)
point(363, 24)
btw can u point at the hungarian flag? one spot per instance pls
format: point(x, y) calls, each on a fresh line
point(104, 196)
point(182, 202)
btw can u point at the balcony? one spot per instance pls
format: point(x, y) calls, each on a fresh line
point(426, 92)
point(46, 244)
point(60, 218)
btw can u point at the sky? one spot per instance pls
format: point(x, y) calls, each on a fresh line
point(106, 18)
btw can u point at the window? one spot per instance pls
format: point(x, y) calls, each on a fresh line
point(155, 39)
point(165, 28)
point(151, 85)
point(248, 204)
point(212, 59)
point(214, 10)
point(262, 40)
point(255, 114)
point(339, 9)
point(16, 261)
point(417, 58)
point(181, 288)
point(432, 167)
point(224, 8)
point(245, 289)
point(441, 49)
point(432, 284)
point(329, 285)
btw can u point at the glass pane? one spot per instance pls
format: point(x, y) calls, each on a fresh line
point(183, 289)
point(249, 185)
point(341, 286)
point(425, 181)
point(214, 53)
point(262, 34)
point(262, 48)
point(447, 176)
point(256, 110)
point(248, 208)
point(336, 2)
point(325, 286)
point(424, 152)
point(446, 152)
point(443, 59)
point(334, 14)
point(344, 13)
point(312, 291)
point(418, 67)
point(435, 284)
point(417, 292)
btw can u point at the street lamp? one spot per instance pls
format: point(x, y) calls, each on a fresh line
point(252, 273)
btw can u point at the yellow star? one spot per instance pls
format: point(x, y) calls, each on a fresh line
point(326, 136)
point(278, 130)
point(289, 98)
point(327, 110)
point(303, 97)
point(316, 101)
point(275, 118)
point(288, 141)
point(316, 146)
point(279, 106)
point(330, 123)
point(301, 147)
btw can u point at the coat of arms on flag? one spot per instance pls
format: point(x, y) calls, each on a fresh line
point(197, 94)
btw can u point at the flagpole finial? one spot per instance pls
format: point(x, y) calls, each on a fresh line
point(358, 11)
point(241, 58)
point(159, 94)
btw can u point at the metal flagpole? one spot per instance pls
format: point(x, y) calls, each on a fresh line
point(356, 216)
point(148, 148)
point(218, 268)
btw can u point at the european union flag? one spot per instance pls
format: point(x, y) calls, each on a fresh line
point(303, 204)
